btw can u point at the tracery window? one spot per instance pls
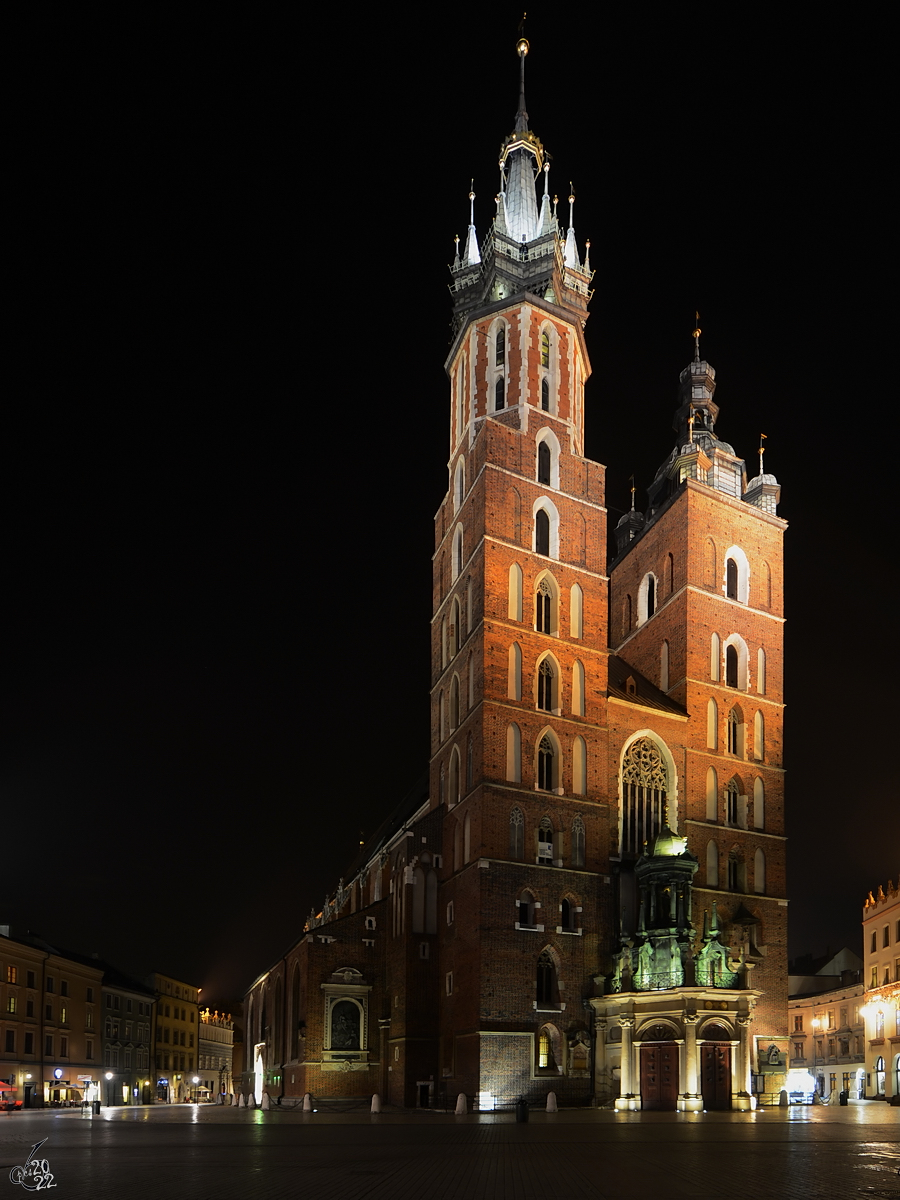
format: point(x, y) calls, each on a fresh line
point(545, 686)
point(645, 784)
point(546, 764)
point(543, 600)
point(545, 839)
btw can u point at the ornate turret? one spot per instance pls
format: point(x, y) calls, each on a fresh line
point(526, 249)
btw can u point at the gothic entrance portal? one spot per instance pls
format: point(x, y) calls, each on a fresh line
point(659, 1075)
point(715, 1069)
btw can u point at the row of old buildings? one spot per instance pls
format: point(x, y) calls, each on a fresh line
point(844, 1012)
point(74, 1028)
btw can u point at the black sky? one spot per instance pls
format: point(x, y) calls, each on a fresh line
point(227, 432)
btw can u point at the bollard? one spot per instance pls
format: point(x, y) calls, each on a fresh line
point(242, 1103)
point(266, 1102)
point(307, 1102)
point(783, 1101)
point(376, 1103)
point(251, 1100)
point(461, 1104)
point(521, 1110)
point(551, 1102)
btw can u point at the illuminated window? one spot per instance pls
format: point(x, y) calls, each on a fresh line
point(645, 784)
point(12, 974)
point(545, 348)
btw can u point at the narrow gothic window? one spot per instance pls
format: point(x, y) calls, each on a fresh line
point(544, 1058)
point(499, 394)
point(500, 357)
point(645, 784)
point(545, 764)
point(545, 687)
point(731, 579)
point(566, 915)
point(542, 532)
point(544, 463)
point(731, 804)
point(542, 607)
point(651, 596)
point(546, 981)
point(526, 909)
point(545, 349)
point(731, 665)
point(516, 834)
point(545, 839)
point(545, 395)
point(578, 842)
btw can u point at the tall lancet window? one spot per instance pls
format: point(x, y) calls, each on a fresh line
point(544, 463)
point(500, 355)
point(545, 394)
point(545, 349)
point(645, 785)
point(542, 532)
point(499, 394)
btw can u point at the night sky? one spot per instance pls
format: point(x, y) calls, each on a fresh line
point(226, 434)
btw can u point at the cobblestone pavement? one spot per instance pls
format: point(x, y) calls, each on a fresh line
point(208, 1152)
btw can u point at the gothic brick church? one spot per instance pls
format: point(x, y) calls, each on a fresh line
point(588, 895)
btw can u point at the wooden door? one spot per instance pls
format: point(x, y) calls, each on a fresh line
point(659, 1077)
point(715, 1076)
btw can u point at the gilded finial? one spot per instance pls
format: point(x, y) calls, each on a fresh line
point(762, 450)
point(696, 337)
point(631, 479)
point(522, 44)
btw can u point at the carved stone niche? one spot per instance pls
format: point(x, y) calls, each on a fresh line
point(346, 1021)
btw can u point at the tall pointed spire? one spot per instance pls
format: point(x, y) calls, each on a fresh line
point(521, 156)
point(571, 255)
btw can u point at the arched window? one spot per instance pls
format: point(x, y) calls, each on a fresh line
point(712, 795)
point(645, 785)
point(525, 910)
point(546, 605)
point(646, 598)
point(459, 483)
point(543, 472)
point(736, 732)
point(499, 394)
point(542, 532)
point(715, 657)
point(453, 631)
point(737, 873)
point(712, 865)
point(579, 765)
point(545, 348)
point(545, 840)
point(759, 803)
point(712, 725)
point(577, 689)
point(547, 765)
point(737, 575)
point(545, 1057)
point(547, 987)
point(664, 667)
point(500, 347)
point(761, 671)
point(567, 914)
point(513, 754)
point(453, 777)
point(516, 834)
point(514, 682)
point(547, 686)
point(759, 735)
point(545, 395)
point(454, 702)
point(442, 716)
point(759, 873)
point(578, 842)
point(515, 592)
point(735, 811)
point(576, 611)
point(456, 558)
point(766, 598)
point(731, 666)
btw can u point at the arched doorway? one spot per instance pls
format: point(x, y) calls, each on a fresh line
point(715, 1068)
point(659, 1070)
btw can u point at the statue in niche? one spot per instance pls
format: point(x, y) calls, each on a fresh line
point(345, 1026)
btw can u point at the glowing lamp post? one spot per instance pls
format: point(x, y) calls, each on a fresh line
point(109, 1076)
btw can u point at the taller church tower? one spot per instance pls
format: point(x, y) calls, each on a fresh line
point(519, 644)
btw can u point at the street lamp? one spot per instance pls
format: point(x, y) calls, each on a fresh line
point(109, 1076)
point(195, 1081)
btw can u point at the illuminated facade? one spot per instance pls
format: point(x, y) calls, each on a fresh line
point(216, 1048)
point(881, 947)
point(588, 894)
point(175, 1036)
